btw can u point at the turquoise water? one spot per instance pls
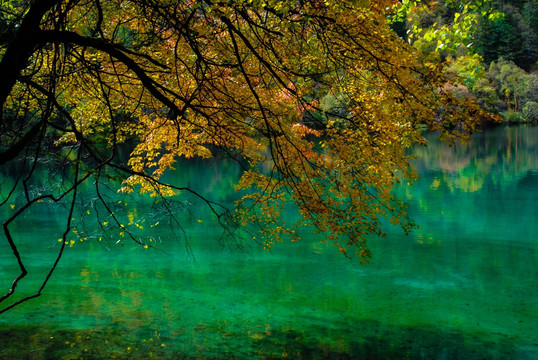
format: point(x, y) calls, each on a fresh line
point(464, 286)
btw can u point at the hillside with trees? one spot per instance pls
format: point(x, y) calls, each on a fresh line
point(492, 46)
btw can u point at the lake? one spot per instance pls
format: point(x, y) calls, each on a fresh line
point(463, 286)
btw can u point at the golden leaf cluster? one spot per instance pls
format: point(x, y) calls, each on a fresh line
point(252, 80)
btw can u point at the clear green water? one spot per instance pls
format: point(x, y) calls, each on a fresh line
point(464, 286)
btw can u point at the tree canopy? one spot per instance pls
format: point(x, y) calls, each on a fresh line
point(318, 100)
point(478, 38)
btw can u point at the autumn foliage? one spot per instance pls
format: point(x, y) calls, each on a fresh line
point(245, 79)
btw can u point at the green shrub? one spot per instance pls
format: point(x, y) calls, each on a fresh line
point(469, 68)
point(511, 116)
point(530, 111)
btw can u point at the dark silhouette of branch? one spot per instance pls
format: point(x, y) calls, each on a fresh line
point(14, 150)
point(74, 190)
point(21, 46)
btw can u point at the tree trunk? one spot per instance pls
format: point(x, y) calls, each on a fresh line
point(21, 47)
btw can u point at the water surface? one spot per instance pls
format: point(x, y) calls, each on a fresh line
point(464, 286)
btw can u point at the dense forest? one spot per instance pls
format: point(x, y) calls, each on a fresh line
point(490, 45)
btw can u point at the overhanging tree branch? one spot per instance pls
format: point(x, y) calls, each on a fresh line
point(21, 47)
point(115, 51)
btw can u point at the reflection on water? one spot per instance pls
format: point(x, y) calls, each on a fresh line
point(464, 286)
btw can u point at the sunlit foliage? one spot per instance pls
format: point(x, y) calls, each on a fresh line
point(250, 80)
